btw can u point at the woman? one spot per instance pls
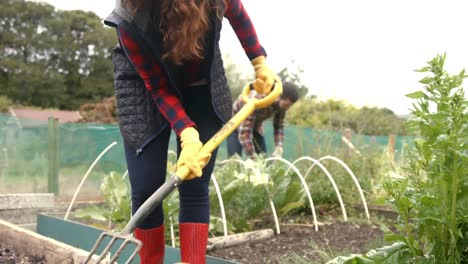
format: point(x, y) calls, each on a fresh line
point(169, 76)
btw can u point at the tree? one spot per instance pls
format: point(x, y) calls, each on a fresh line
point(333, 114)
point(5, 103)
point(52, 58)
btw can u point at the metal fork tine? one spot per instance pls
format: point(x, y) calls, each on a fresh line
point(95, 247)
point(135, 252)
point(119, 250)
point(128, 239)
point(107, 248)
point(114, 237)
point(117, 253)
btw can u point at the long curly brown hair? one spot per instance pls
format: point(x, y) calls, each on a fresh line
point(183, 24)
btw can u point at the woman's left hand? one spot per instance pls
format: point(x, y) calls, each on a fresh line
point(264, 75)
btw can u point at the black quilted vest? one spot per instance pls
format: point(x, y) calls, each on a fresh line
point(139, 119)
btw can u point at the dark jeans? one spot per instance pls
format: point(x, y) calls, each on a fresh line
point(235, 147)
point(147, 171)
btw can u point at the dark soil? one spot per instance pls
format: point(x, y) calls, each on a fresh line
point(295, 244)
point(302, 244)
point(10, 256)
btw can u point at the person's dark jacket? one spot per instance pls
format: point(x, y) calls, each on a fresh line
point(139, 119)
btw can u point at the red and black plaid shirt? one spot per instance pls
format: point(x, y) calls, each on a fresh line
point(155, 78)
point(255, 122)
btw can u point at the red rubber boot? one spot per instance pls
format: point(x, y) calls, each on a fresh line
point(152, 251)
point(193, 242)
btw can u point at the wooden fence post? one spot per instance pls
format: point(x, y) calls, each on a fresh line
point(53, 154)
point(391, 146)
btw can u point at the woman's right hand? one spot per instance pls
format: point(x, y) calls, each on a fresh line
point(189, 155)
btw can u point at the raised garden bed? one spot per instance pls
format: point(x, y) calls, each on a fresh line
point(295, 240)
point(82, 236)
point(20, 244)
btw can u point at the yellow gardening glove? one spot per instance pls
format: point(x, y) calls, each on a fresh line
point(191, 145)
point(264, 75)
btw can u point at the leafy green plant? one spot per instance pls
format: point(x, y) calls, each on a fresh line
point(433, 199)
point(431, 195)
point(246, 189)
point(286, 190)
point(116, 209)
point(5, 103)
point(396, 253)
point(369, 167)
point(244, 194)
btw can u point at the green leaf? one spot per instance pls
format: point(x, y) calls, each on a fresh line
point(353, 259)
point(117, 197)
point(417, 95)
point(291, 206)
point(426, 80)
point(91, 213)
point(395, 238)
point(424, 69)
point(393, 254)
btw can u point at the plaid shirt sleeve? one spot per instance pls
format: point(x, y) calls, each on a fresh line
point(244, 29)
point(278, 126)
point(156, 82)
point(245, 135)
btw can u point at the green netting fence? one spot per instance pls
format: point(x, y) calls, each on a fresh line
point(25, 152)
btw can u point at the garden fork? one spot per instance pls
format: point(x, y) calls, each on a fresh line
point(125, 236)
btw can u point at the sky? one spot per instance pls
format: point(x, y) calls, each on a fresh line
point(364, 52)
